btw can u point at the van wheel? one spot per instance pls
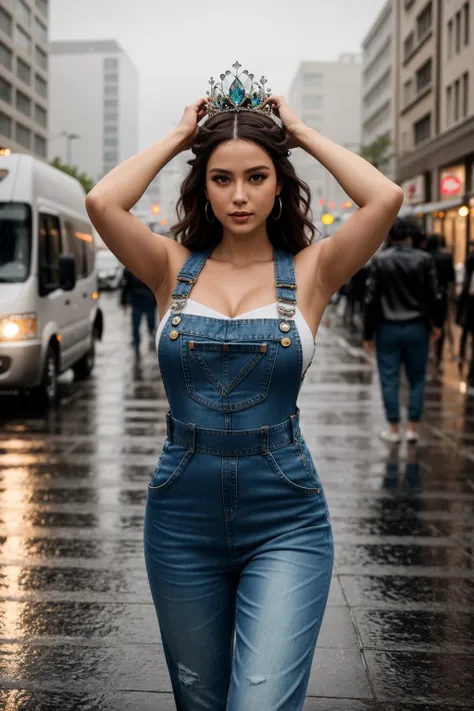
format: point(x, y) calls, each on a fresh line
point(46, 394)
point(84, 367)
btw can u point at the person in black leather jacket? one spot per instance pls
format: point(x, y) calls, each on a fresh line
point(402, 302)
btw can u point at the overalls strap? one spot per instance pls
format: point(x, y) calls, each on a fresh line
point(285, 282)
point(187, 277)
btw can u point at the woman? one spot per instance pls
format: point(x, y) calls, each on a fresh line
point(237, 532)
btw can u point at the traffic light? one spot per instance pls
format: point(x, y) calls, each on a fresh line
point(155, 209)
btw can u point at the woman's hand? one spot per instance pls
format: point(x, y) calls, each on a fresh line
point(291, 122)
point(188, 125)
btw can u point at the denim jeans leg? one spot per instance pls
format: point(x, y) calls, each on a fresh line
point(388, 360)
point(415, 357)
point(136, 320)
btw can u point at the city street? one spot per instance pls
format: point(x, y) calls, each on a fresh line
point(77, 624)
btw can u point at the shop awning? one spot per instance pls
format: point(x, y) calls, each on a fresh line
point(431, 206)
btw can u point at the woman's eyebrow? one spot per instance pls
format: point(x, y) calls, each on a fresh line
point(229, 172)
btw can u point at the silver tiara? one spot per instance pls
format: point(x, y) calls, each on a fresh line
point(237, 92)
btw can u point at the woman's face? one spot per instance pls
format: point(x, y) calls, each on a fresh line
point(241, 177)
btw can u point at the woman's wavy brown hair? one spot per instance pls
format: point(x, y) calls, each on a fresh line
point(292, 232)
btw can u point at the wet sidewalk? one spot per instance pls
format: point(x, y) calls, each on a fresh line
point(77, 626)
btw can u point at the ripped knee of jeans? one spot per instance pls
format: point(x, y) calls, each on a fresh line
point(257, 679)
point(186, 676)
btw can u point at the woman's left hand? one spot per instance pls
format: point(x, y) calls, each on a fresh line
point(289, 119)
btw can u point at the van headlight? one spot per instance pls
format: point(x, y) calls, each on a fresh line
point(18, 327)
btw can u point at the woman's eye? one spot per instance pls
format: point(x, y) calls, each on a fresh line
point(261, 177)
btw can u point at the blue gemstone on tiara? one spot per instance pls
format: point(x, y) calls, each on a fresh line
point(238, 92)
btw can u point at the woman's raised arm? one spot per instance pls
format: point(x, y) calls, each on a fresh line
point(379, 199)
point(109, 203)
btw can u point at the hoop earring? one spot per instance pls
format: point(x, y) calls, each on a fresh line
point(207, 217)
point(281, 209)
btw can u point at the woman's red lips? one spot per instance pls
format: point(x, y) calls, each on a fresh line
point(239, 214)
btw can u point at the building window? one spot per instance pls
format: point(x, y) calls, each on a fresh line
point(407, 92)
point(6, 23)
point(456, 100)
point(111, 90)
point(23, 13)
point(467, 23)
point(312, 101)
point(40, 146)
point(41, 31)
point(408, 45)
point(111, 157)
point(111, 77)
point(5, 91)
point(41, 58)
point(422, 130)
point(41, 116)
point(5, 125)
point(111, 142)
point(449, 105)
point(110, 129)
point(23, 103)
point(110, 63)
point(111, 104)
point(313, 80)
point(42, 6)
point(458, 32)
point(6, 56)
point(23, 71)
point(41, 87)
point(450, 39)
point(23, 135)
point(465, 94)
point(424, 21)
point(423, 76)
point(49, 249)
point(111, 115)
point(22, 40)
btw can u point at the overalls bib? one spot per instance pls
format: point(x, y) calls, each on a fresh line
point(237, 532)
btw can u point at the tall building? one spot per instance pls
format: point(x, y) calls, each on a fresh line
point(378, 60)
point(93, 105)
point(327, 97)
point(24, 76)
point(435, 116)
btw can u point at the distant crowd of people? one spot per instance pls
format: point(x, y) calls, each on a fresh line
point(405, 297)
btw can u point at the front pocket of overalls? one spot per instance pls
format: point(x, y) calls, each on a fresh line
point(228, 376)
point(292, 467)
point(172, 462)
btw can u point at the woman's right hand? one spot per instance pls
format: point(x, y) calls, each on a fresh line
point(188, 125)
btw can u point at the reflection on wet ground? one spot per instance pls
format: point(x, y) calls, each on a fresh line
point(77, 625)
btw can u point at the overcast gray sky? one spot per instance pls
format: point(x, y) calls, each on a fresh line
point(177, 45)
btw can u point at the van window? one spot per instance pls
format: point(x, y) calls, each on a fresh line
point(81, 244)
point(75, 247)
point(49, 249)
point(15, 242)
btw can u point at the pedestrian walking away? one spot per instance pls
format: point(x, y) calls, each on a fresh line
point(142, 300)
point(402, 304)
point(446, 279)
point(238, 543)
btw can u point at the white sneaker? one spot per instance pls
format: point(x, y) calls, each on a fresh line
point(412, 436)
point(389, 436)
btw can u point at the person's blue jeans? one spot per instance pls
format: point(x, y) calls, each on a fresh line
point(404, 342)
point(137, 311)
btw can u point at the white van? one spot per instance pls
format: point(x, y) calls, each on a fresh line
point(49, 314)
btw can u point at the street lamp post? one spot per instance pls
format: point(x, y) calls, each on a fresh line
point(69, 138)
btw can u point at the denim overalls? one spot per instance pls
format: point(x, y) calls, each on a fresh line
point(237, 532)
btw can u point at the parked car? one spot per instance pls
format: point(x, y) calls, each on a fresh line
point(109, 269)
point(49, 313)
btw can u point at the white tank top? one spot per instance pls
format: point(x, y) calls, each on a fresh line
point(270, 311)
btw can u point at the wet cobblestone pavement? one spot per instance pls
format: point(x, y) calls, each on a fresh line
point(77, 625)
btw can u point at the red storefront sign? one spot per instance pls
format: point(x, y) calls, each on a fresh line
point(451, 185)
